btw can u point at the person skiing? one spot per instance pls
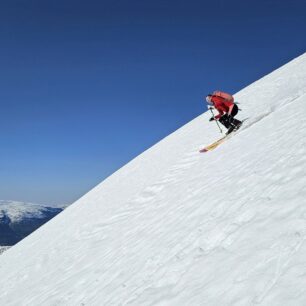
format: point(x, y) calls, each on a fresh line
point(224, 104)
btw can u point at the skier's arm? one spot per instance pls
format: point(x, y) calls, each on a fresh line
point(219, 115)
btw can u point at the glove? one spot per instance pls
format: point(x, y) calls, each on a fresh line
point(212, 119)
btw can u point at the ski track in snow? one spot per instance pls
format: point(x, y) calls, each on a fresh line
point(179, 227)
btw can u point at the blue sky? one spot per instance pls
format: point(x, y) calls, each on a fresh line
point(85, 86)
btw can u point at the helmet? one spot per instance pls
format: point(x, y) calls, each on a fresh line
point(208, 99)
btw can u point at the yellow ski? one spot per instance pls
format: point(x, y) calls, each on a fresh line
point(214, 144)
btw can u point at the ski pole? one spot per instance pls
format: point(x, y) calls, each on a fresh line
point(216, 120)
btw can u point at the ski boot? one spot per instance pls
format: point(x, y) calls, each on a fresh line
point(234, 125)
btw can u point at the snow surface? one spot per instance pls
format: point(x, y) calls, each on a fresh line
point(176, 227)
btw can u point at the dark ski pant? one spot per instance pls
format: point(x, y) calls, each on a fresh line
point(229, 121)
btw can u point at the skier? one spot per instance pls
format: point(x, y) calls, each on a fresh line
point(224, 104)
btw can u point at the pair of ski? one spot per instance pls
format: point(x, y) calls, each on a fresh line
point(215, 144)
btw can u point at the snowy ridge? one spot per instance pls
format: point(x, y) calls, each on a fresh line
point(19, 219)
point(3, 249)
point(176, 227)
point(17, 211)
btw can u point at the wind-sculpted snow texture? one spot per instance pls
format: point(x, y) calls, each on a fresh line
point(177, 227)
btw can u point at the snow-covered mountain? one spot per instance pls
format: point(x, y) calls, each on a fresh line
point(3, 249)
point(19, 219)
point(177, 227)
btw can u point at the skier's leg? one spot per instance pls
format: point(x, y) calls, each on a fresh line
point(233, 121)
point(224, 120)
point(234, 111)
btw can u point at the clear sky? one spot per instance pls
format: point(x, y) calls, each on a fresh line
point(85, 86)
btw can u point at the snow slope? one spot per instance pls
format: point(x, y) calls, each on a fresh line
point(176, 227)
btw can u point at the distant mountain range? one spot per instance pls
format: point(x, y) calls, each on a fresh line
point(19, 219)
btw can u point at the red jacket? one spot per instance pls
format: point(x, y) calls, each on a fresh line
point(222, 105)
